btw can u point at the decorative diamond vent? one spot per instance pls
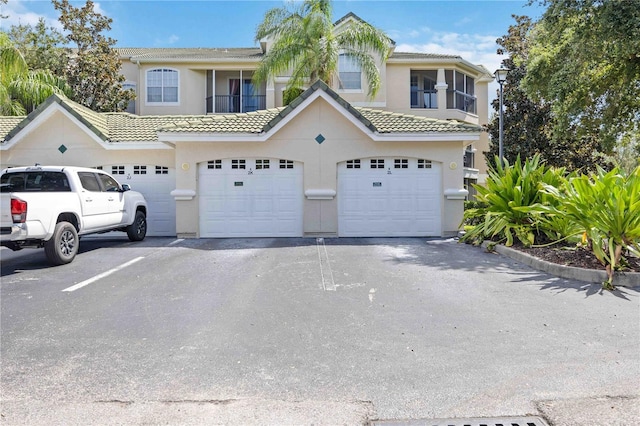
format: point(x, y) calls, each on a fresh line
point(320, 138)
point(62, 149)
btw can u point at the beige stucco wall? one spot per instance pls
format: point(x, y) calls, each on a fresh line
point(192, 89)
point(191, 93)
point(42, 142)
point(398, 87)
point(399, 96)
point(296, 141)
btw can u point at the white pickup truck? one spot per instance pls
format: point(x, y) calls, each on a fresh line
point(51, 206)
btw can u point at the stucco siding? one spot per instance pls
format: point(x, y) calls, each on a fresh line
point(343, 141)
point(82, 148)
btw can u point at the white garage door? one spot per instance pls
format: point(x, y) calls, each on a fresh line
point(156, 184)
point(389, 197)
point(250, 197)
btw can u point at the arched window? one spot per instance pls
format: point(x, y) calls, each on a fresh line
point(162, 86)
point(349, 73)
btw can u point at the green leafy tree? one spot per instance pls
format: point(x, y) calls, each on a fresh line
point(41, 47)
point(21, 89)
point(305, 44)
point(528, 122)
point(585, 60)
point(94, 70)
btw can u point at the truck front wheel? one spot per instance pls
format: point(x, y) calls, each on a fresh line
point(138, 229)
point(63, 245)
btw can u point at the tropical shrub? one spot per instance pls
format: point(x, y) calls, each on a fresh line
point(474, 212)
point(606, 208)
point(507, 190)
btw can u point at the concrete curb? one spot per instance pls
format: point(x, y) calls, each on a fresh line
point(621, 279)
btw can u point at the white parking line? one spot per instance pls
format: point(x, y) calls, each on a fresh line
point(323, 258)
point(102, 275)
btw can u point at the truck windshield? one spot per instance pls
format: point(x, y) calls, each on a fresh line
point(34, 181)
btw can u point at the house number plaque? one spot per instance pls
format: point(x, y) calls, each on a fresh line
point(375, 184)
point(238, 183)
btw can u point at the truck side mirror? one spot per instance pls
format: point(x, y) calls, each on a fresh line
point(126, 187)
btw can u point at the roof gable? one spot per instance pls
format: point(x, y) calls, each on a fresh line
point(112, 130)
point(128, 131)
point(262, 124)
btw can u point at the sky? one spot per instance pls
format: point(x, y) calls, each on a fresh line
point(465, 28)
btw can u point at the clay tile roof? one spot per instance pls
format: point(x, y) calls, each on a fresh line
point(416, 55)
point(251, 122)
point(7, 124)
point(392, 122)
point(125, 127)
point(376, 120)
point(189, 54)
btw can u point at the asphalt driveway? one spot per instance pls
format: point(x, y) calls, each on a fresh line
point(334, 331)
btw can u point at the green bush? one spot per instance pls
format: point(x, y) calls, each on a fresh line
point(474, 212)
point(507, 189)
point(605, 208)
point(535, 204)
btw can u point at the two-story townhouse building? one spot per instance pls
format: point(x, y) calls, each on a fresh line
point(220, 157)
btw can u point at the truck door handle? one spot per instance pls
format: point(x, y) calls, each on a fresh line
point(88, 200)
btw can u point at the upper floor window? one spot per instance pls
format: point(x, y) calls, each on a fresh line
point(162, 86)
point(349, 73)
point(469, 157)
point(131, 106)
point(423, 89)
point(460, 91)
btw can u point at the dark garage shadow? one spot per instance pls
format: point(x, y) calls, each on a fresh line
point(33, 259)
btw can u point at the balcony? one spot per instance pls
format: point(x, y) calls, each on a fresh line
point(235, 103)
point(461, 101)
point(424, 99)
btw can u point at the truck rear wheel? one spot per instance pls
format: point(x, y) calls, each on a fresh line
point(138, 229)
point(63, 245)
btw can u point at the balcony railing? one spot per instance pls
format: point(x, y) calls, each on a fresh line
point(424, 99)
point(461, 101)
point(231, 103)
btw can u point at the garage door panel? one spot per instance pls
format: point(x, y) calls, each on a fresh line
point(402, 206)
point(155, 183)
point(287, 207)
point(267, 202)
point(237, 204)
point(263, 207)
point(404, 202)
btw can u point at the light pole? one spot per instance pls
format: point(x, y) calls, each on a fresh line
point(501, 78)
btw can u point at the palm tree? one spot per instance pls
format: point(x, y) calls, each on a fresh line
point(21, 89)
point(305, 43)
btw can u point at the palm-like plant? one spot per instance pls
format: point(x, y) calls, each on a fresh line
point(305, 43)
point(21, 89)
point(508, 194)
point(606, 208)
